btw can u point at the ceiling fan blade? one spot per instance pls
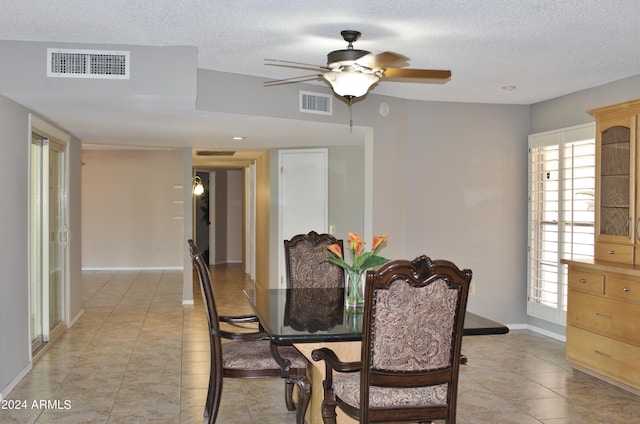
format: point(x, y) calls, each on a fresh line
point(430, 76)
point(292, 80)
point(295, 65)
point(383, 60)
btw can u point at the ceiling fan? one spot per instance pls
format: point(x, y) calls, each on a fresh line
point(352, 72)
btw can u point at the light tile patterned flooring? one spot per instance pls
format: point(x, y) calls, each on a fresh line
point(138, 356)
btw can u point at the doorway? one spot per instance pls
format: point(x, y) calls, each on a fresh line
point(218, 215)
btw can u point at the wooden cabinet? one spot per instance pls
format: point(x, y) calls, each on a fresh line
point(603, 307)
point(617, 223)
point(603, 321)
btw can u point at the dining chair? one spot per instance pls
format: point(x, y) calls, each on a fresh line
point(247, 354)
point(306, 264)
point(307, 268)
point(410, 357)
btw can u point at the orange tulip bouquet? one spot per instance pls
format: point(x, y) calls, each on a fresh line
point(362, 261)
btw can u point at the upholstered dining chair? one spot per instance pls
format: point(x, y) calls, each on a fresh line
point(248, 354)
point(412, 336)
point(306, 264)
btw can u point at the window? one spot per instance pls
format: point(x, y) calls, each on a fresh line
point(561, 214)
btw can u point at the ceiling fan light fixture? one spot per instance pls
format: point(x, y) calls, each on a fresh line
point(350, 84)
point(352, 72)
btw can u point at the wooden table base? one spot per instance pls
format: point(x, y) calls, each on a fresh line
point(346, 351)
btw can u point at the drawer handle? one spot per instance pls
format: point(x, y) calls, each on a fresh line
point(606, 355)
point(611, 252)
point(626, 289)
point(598, 314)
point(583, 280)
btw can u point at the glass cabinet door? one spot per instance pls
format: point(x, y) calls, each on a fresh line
point(615, 180)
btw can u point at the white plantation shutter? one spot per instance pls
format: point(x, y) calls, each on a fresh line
point(561, 214)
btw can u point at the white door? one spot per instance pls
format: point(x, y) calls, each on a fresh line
point(303, 193)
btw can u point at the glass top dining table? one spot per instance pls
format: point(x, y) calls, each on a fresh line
point(312, 315)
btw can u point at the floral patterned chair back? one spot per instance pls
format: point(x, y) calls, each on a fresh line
point(412, 336)
point(306, 265)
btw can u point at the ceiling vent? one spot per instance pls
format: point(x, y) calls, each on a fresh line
point(316, 103)
point(215, 153)
point(73, 63)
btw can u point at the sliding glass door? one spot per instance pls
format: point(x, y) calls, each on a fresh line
point(48, 239)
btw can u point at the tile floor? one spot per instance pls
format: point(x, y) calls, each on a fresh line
point(138, 356)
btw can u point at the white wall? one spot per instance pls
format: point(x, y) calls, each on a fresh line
point(131, 209)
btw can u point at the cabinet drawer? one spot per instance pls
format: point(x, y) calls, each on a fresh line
point(611, 318)
point(623, 290)
point(586, 282)
point(606, 356)
point(612, 252)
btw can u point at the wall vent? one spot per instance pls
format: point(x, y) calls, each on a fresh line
point(73, 63)
point(215, 153)
point(316, 103)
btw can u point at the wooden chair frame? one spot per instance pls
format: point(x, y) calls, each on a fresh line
point(281, 368)
point(420, 272)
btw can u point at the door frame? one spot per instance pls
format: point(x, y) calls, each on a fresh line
point(57, 136)
point(322, 162)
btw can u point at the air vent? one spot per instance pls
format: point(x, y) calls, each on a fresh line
point(72, 63)
point(215, 153)
point(316, 103)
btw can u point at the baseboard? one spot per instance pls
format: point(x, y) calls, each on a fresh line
point(76, 318)
point(544, 332)
point(153, 268)
point(13, 383)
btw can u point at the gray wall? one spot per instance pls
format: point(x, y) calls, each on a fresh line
point(14, 246)
point(570, 110)
point(467, 199)
point(346, 198)
point(346, 189)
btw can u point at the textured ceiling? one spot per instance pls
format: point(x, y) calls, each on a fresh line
point(545, 48)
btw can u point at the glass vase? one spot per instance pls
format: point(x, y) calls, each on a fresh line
point(353, 320)
point(354, 298)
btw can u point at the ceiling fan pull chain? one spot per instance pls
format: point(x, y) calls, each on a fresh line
point(350, 117)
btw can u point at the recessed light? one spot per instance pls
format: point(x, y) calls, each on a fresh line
point(237, 138)
point(509, 87)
